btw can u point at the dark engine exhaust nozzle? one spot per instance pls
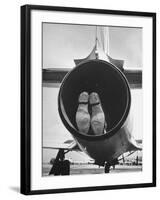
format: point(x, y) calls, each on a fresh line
point(100, 77)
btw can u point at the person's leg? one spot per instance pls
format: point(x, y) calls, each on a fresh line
point(97, 117)
point(82, 114)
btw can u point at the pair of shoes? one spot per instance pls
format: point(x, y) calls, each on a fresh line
point(97, 118)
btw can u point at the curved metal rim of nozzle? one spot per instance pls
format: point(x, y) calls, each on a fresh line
point(112, 131)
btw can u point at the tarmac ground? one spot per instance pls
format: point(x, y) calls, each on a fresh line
point(94, 169)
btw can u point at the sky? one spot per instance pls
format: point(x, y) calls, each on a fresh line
point(64, 43)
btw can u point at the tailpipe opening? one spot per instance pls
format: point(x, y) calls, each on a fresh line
point(103, 78)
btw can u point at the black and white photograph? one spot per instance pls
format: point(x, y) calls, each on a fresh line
point(88, 99)
point(92, 99)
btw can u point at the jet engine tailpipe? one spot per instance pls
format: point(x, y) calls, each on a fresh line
point(108, 82)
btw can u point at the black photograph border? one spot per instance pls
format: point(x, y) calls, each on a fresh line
point(25, 182)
